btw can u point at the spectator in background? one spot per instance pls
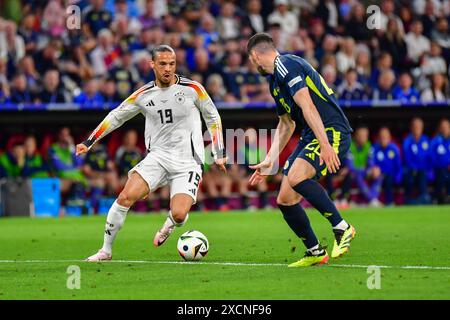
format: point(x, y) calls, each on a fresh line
point(216, 89)
point(100, 172)
point(255, 85)
point(125, 75)
point(281, 15)
point(330, 76)
point(233, 74)
point(54, 18)
point(4, 92)
point(441, 35)
point(4, 84)
point(438, 92)
point(328, 11)
point(109, 92)
point(148, 19)
point(105, 54)
point(361, 170)
point(12, 45)
point(356, 25)
point(428, 18)
point(384, 90)
point(415, 156)
point(384, 63)
point(387, 12)
point(405, 92)
point(363, 66)
point(386, 155)
point(144, 69)
point(90, 97)
point(182, 68)
point(66, 165)
point(345, 57)
point(433, 62)
point(27, 32)
point(47, 58)
point(350, 88)
point(202, 62)
point(52, 92)
point(127, 156)
point(255, 19)
point(416, 43)
point(228, 25)
point(328, 47)
point(393, 43)
point(407, 16)
point(96, 18)
point(12, 162)
point(440, 162)
point(209, 33)
point(19, 90)
point(35, 165)
point(33, 78)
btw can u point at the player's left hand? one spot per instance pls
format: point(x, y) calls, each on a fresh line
point(221, 163)
point(262, 170)
point(330, 157)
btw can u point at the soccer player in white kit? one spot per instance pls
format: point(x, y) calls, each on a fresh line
point(173, 107)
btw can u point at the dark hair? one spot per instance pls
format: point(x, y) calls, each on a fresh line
point(161, 48)
point(258, 39)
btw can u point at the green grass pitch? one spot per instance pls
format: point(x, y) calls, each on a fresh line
point(248, 257)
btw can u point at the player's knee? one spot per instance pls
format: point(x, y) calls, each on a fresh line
point(295, 178)
point(124, 199)
point(178, 214)
point(290, 200)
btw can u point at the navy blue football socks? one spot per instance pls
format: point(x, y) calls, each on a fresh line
point(298, 221)
point(316, 195)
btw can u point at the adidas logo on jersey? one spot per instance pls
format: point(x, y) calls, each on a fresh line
point(150, 104)
point(193, 191)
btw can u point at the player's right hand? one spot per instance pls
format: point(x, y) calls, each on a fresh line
point(80, 149)
point(262, 170)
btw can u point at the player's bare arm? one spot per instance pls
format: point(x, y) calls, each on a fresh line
point(283, 133)
point(327, 154)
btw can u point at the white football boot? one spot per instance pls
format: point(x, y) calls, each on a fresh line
point(99, 256)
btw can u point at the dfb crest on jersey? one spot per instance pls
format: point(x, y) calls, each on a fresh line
point(180, 98)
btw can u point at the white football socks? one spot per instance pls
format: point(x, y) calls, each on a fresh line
point(170, 221)
point(114, 222)
point(343, 225)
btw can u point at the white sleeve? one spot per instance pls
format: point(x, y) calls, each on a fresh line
point(212, 120)
point(117, 117)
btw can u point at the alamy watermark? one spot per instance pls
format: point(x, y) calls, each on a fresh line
point(74, 278)
point(374, 280)
point(73, 19)
point(374, 19)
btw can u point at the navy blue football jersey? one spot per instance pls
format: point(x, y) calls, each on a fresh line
point(293, 73)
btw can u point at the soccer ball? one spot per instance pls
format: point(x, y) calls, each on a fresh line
point(193, 245)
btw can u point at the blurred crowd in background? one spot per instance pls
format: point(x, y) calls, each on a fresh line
point(404, 58)
point(380, 169)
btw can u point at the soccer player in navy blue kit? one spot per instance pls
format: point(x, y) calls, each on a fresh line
point(386, 155)
point(303, 98)
point(440, 161)
point(415, 156)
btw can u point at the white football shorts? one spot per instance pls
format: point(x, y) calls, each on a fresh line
point(159, 170)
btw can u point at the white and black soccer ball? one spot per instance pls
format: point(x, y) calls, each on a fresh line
point(193, 245)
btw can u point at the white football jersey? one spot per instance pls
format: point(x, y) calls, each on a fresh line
point(173, 125)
